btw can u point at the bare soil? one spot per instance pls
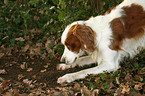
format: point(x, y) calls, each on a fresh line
point(49, 76)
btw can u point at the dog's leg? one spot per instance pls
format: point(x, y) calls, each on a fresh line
point(104, 67)
point(80, 62)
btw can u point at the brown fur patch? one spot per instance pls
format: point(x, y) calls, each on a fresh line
point(130, 25)
point(80, 37)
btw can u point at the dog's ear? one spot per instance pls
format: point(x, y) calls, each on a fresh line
point(86, 36)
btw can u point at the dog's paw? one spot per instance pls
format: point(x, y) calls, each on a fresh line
point(65, 79)
point(63, 67)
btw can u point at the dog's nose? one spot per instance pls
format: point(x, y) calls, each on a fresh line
point(62, 59)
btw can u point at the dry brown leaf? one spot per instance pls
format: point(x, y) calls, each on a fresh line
point(125, 89)
point(43, 70)
point(38, 50)
point(3, 71)
point(111, 84)
point(25, 48)
point(27, 81)
point(133, 93)
point(39, 44)
point(15, 92)
point(36, 18)
point(31, 51)
point(5, 83)
point(138, 87)
point(85, 91)
point(32, 86)
point(118, 92)
point(1, 89)
point(1, 55)
point(78, 94)
point(97, 79)
point(65, 92)
point(8, 94)
point(1, 79)
point(29, 69)
point(19, 39)
point(117, 80)
point(57, 93)
point(127, 77)
point(37, 92)
point(95, 92)
point(20, 76)
point(24, 65)
point(77, 86)
point(47, 46)
point(45, 66)
point(34, 76)
point(71, 92)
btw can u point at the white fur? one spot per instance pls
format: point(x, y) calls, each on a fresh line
point(107, 59)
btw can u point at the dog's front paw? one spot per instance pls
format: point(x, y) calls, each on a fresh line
point(63, 67)
point(66, 79)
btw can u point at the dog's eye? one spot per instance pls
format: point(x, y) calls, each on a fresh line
point(68, 45)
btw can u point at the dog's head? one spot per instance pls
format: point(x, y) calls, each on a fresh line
point(77, 38)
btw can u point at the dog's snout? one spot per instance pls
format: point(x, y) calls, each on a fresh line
point(62, 59)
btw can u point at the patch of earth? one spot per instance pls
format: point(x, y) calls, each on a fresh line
point(23, 75)
point(20, 67)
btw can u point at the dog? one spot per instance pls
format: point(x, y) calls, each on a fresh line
point(106, 38)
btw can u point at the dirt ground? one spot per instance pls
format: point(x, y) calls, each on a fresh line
point(36, 69)
point(23, 75)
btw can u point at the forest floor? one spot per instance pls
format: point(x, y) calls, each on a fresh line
point(22, 75)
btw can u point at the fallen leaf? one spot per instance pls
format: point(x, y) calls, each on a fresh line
point(78, 94)
point(25, 48)
point(47, 46)
point(19, 39)
point(32, 86)
point(65, 92)
point(1, 90)
point(27, 81)
point(34, 76)
point(127, 77)
point(118, 92)
point(133, 93)
point(24, 65)
point(43, 70)
point(39, 44)
point(5, 83)
point(1, 79)
point(125, 88)
point(138, 87)
point(77, 86)
point(71, 92)
point(117, 80)
point(46, 66)
point(97, 79)
point(8, 94)
point(15, 92)
point(36, 18)
point(57, 93)
point(29, 69)
point(20, 76)
point(3, 71)
point(31, 51)
point(85, 91)
point(1, 55)
point(95, 92)
point(38, 50)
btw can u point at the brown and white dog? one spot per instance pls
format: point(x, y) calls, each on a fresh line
point(107, 39)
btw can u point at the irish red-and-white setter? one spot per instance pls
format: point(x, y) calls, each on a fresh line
point(106, 38)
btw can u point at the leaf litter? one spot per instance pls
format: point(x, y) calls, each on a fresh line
point(28, 74)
